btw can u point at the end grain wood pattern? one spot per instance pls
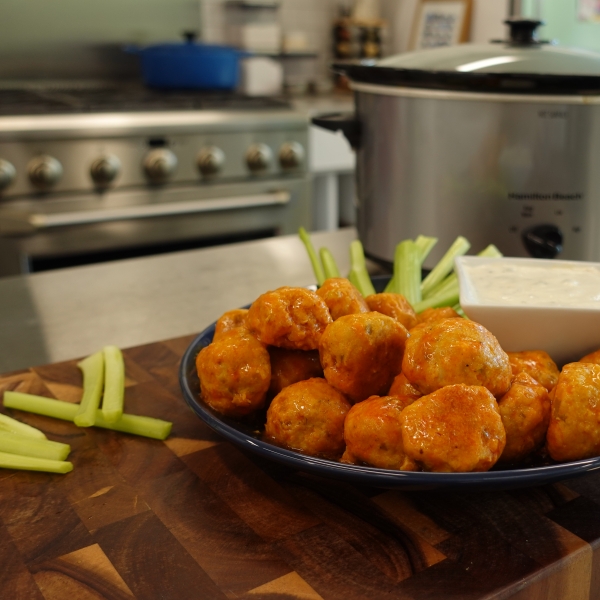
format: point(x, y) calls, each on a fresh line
point(195, 517)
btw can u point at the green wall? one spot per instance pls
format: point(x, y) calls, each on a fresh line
point(563, 25)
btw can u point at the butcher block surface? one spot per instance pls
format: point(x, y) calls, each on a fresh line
point(195, 517)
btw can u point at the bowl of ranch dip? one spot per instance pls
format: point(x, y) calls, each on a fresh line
point(534, 304)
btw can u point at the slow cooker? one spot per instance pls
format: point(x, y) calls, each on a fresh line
point(499, 143)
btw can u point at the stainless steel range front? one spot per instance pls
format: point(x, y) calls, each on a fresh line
point(90, 175)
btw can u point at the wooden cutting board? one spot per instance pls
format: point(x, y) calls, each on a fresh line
point(194, 517)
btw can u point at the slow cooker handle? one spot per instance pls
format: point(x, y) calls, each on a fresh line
point(347, 123)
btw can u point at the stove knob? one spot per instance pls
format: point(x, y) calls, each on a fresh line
point(7, 173)
point(105, 169)
point(159, 165)
point(291, 155)
point(543, 241)
point(259, 157)
point(210, 160)
point(44, 171)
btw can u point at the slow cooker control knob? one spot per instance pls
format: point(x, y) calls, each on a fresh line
point(8, 173)
point(210, 160)
point(104, 170)
point(259, 157)
point(44, 171)
point(160, 164)
point(291, 155)
point(543, 241)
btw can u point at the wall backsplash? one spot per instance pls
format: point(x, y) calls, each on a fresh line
point(83, 39)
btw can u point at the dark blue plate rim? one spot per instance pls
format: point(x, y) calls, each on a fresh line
point(358, 474)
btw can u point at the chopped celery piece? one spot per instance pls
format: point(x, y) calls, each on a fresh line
point(30, 463)
point(329, 265)
point(359, 276)
point(447, 297)
point(312, 255)
point(449, 282)
point(490, 252)
point(13, 426)
point(460, 311)
point(459, 247)
point(28, 446)
point(407, 271)
point(114, 384)
point(425, 245)
point(41, 405)
point(137, 425)
point(92, 368)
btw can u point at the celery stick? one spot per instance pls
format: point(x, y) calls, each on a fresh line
point(448, 297)
point(460, 311)
point(359, 276)
point(13, 426)
point(407, 271)
point(137, 425)
point(449, 282)
point(459, 247)
point(425, 245)
point(41, 405)
point(92, 368)
point(30, 463)
point(329, 265)
point(114, 384)
point(28, 446)
point(312, 255)
point(490, 252)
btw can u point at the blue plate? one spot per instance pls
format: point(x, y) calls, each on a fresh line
point(247, 437)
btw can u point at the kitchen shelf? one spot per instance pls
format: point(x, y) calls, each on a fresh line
point(286, 55)
point(251, 5)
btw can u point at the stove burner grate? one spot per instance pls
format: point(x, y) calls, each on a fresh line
point(101, 100)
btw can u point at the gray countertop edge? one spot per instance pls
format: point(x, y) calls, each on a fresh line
point(69, 313)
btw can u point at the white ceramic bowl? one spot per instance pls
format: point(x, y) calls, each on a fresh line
point(534, 304)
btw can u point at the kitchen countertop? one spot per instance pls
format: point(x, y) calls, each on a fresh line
point(324, 103)
point(57, 315)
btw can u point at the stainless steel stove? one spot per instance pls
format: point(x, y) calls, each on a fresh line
point(92, 174)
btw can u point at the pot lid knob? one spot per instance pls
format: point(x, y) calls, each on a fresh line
point(523, 32)
point(190, 36)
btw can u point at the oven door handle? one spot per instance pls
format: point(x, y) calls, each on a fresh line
point(27, 223)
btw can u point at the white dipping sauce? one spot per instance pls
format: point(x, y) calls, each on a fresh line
point(528, 285)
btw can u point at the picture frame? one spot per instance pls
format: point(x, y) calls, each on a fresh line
point(440, 23)
point(588, 10)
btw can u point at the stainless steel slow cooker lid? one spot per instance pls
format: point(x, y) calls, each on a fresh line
point(522, 64)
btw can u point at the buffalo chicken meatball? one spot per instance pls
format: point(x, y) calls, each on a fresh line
point(361, 354)
point(536, 363)
point(574, 430)
point(308, 417)
point(341, 297)
point(437, 314)
point(453, 351)
point(402, 388)
point(291, 366)
point(289, 317)
point(234, 373)
point(455, 429)
point(232, 319)
point(592, 357)
point(395, 306)
point(373, 434)
point(525, 413)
